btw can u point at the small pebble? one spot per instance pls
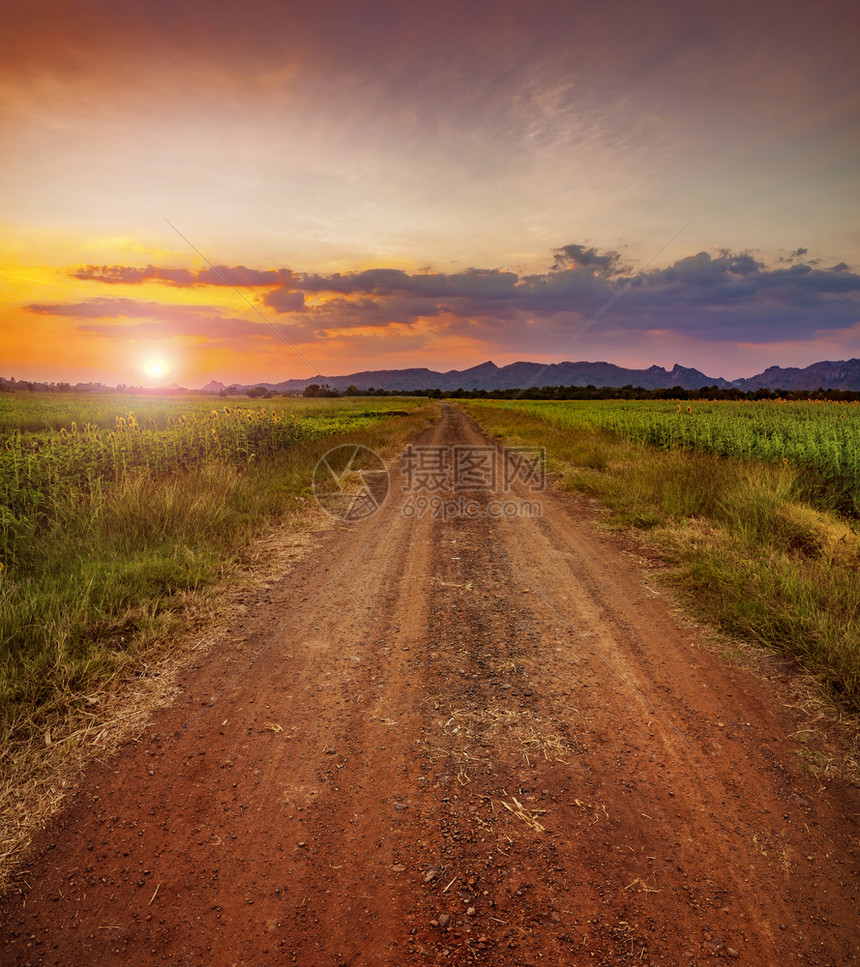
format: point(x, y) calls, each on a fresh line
point(443, 921)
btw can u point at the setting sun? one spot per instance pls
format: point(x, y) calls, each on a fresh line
point(156, 368)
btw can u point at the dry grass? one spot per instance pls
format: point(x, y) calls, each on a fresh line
point(832, 748)
point(753, 552)
point(480, 734)
point(528, 816)
point(37, 777)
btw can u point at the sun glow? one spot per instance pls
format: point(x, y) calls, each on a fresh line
point(156, 368)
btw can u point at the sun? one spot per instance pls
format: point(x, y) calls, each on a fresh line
point(156, 368)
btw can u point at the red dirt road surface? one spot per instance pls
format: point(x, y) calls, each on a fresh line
point(472, 740)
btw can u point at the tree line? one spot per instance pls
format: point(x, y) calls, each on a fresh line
point(592, 392)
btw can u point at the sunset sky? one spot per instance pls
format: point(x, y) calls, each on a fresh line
point(263, 190)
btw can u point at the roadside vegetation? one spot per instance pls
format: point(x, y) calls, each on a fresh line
point(119, 527)
point(756, 505)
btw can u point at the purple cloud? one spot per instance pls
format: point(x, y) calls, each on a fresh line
point(130, 275)
point(238, 275)
point(284, 300)
point(488, 283)
point(725, 297)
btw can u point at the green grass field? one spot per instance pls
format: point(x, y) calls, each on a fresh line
point(820, 439)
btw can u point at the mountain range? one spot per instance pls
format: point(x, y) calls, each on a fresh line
point(844, 374)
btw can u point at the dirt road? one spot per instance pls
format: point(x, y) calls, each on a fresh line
point(465, 740)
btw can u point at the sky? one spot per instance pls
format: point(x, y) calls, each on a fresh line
point(269, 189)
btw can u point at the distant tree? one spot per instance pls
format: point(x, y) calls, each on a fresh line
point(259, 393)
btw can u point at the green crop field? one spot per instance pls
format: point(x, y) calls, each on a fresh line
point(822, 439)
point(53, 448)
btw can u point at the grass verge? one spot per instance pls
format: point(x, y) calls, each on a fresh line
point(123, 591)
point(751, 551)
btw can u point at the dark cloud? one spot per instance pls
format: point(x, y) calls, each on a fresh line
point(489, 283)
point(242, 277)
point(579, 258)
point(724, 297)
point(375, 313)
point(798, 255)
point(283, 300)
point(805, 278)
point(703, 270)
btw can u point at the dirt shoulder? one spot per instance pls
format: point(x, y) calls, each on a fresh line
point(473, 739)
